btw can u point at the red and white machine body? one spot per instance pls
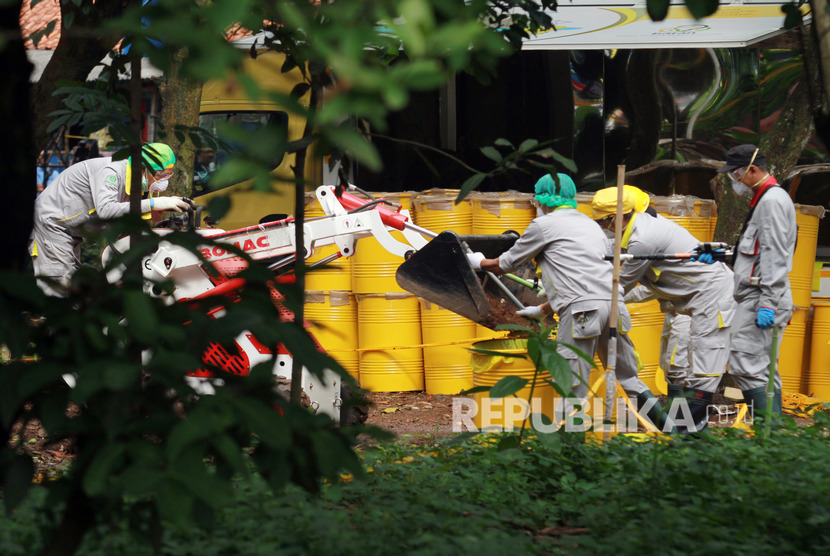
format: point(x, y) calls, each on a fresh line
point(348, 218)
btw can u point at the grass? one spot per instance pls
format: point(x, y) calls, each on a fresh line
point(723, 492)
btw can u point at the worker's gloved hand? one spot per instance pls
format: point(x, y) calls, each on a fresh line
point(541, 293)
point(708, 258)
point(475, 259)
point(765, 318)
point(532, 312)
point(176, 204)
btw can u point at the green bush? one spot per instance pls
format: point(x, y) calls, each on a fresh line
point(722, 492)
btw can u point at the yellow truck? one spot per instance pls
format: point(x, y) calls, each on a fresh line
point(226, 101)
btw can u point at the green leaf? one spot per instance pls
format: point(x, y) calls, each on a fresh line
point(534, 350)
point(579, 353)
point(96, 480)
point(492, 154)
point(658, 9)
point(121, 377)
point(266, 422)
point(700, 8)
point(550, 440)
point(300, 89)
point(231, 452)
point(174, 503)
point(511, 442)
point(495, 353)
point(793, 17)
point(470, 184)
point(289, 64)
point(475, 390)
point(528, 145)
point(356, 146)
point(557, 366)
point(507, 386)
point(141, 316)
point(18, 481)
point(142, 478)
point(219, 206)
point(205, 420)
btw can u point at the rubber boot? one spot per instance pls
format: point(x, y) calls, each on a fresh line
point(657, 414)
point(673, 390)
point(757, 399)
point(698, 402)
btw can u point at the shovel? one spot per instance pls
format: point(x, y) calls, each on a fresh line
point(440, 273)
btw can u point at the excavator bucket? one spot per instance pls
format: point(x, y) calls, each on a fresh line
point(440, 273)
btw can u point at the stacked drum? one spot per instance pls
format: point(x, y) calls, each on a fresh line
point(389, 318)
point(393, 341)
point(446, 335)
point(330, 306)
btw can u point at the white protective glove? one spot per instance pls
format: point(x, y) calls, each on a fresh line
point(475, 259)
point(176, 204)
point(532, 312)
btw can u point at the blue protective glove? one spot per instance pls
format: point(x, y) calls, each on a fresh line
point(765, 318)
point(707, 258)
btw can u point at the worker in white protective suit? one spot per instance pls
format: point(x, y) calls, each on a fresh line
point(763, 258)
point(674, 339)
point(570, 248)
point(702, 291)
point(95, 189)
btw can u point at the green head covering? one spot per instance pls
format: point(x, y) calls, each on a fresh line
point(158, 156)
point(552, 195)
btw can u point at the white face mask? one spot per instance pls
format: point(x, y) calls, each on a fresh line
point(159, 185)
point(739, 187)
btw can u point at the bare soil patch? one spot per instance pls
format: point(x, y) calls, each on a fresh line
point(416, 417)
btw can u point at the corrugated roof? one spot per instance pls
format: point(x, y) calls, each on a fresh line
point(45, 11)
point(37, 18)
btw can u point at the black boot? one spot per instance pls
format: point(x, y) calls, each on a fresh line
point(673, 390)
point(656, 413)
point(698, 402)
point(756, 398)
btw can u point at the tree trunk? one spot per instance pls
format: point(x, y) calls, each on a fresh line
point(82, 46)
point(299, 214)
point(782, 145)
point(821, 34)
point(16, 147)
point(180, 100)
point(77, 519)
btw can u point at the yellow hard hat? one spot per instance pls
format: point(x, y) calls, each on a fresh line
point(604, 203)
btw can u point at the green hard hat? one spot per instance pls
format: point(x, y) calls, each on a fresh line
point(158, 156)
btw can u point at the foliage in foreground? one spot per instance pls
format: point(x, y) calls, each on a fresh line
point(722, 492)
point(130, 354)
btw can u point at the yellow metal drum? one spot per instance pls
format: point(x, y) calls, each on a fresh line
point(333, 316)
point(820, 352)
point(801, 276)
point(438, 212)
point(488, 370)
point(791, 354)
point(447, 364)
point(387, 325)
point(495, 213)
